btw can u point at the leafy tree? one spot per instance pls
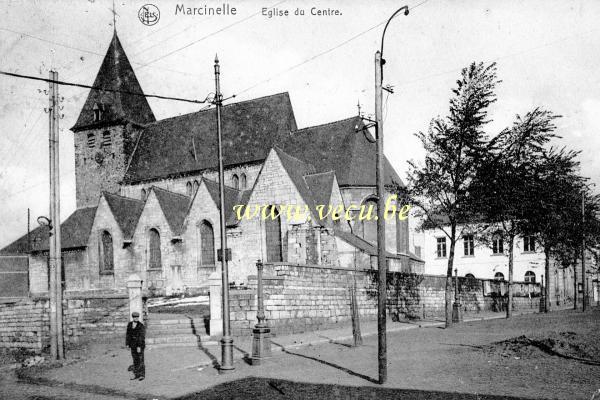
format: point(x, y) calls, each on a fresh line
point(455, 146)
point(500, 192)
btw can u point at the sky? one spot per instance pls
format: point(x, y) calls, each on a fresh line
point(546, 52)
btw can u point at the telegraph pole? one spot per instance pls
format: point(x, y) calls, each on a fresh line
point(51, 229)
point(227, 340)
point(56, 219)
point(583, 280)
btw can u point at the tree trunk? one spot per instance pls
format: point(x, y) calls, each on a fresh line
point(509, 306)
point(448, 296)
point(547, 284)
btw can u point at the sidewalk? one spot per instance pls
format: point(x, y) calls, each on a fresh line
point(175, 371)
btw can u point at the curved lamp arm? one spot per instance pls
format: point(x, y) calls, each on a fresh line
point(405, 9)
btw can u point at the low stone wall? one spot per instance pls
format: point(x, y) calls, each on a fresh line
point(26, 322)
point(300, 298)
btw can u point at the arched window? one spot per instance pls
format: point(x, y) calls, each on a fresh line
point(369, 229)
point(235, 181)
point(530, 276)
point(470, 276)
point(143, 194)
point(97, 112)
point(273, 235)
point(154, 261)
point(499, 276)
point(195, 187)
point(207, 244)
point(188, 188)
point(105, 256)
point(243, 181)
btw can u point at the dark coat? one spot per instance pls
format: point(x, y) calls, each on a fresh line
point(136, 337)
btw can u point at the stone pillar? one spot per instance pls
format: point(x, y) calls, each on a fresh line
point(216, 306)
point(134, 289)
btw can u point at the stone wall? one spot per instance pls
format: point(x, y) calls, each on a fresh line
point(302, 298)
point(26, 323)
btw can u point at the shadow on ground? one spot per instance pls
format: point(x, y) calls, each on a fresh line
point(266, 388)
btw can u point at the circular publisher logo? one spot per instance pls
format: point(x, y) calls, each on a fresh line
point(149, 14)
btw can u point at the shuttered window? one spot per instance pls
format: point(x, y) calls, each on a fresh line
point(273, 236)
point(154, 250)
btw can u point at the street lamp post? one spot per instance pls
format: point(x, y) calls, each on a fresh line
point(381, 253)
point(226, 340)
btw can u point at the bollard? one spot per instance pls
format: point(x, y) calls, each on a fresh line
point(261, 344)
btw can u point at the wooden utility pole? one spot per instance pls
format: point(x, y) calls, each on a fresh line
point(381, 253)
point(227, 340)
point(583, 280)
point(52, 244)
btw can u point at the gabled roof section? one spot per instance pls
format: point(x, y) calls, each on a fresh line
point(74, 233)
point(338, 147)
point(174, 206)
point(366, 246)
point(232, 197)
point(115, 73)
point(126, 211)
point(320, 186)
point(187, 143)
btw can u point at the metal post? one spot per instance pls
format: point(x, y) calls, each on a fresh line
point(456, 307)
point(456, 285)
point(52, 226)
point(583, 278)
point(381, 253)
point(261, 346)
point(226, 340)
point(56, 219)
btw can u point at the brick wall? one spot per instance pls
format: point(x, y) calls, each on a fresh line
point(26, 323)
point(302, 298)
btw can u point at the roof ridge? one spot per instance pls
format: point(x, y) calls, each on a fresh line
point(324, 124)
point(307, 164)
point(320, 173)
point(123, 197)
point(225, 106)
point(170, 192)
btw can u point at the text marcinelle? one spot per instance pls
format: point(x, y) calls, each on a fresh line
point(224, 9)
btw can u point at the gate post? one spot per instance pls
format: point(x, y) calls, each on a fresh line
point(216, 310)
point(134, 290)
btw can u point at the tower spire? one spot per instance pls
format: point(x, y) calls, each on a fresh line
point(114, 13)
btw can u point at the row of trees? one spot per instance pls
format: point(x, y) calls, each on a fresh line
point(512, 184)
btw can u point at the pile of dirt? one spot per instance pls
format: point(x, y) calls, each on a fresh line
point(580, 347)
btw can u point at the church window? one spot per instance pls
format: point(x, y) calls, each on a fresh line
point(369, 228)
point(143, 194)
point(97, 112)
point(154, 250)
point(195, 187)
point(106, 253)
point(207, 244)
point(106, 138)
point(243, 181)
point(91, 139)
point(235, 181)
point(273, 236)
point(188, 188)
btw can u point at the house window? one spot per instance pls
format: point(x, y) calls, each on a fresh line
point(441, 247)
point(418, 251)
point(497, 245)
point(105, 256)
point(235, 181)
point(469, 244)
point(91, 139)
point(529, 243)
point(530, 277)
point(273, 236)
point(154, 250)
point(106, 139)
point(470, 276)
point(188, 188)
point(207, 244)
point(499, 276)
point(243, 181)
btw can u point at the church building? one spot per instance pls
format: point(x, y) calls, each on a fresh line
point(147, 193)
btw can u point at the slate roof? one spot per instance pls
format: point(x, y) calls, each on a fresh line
point(188, 143)
point(74, 233)
point(320, 186)
point(115, 73)
point(174, 206)
point(232, 197)
point(126, 211)
point(366, 246)
point(337, 146)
